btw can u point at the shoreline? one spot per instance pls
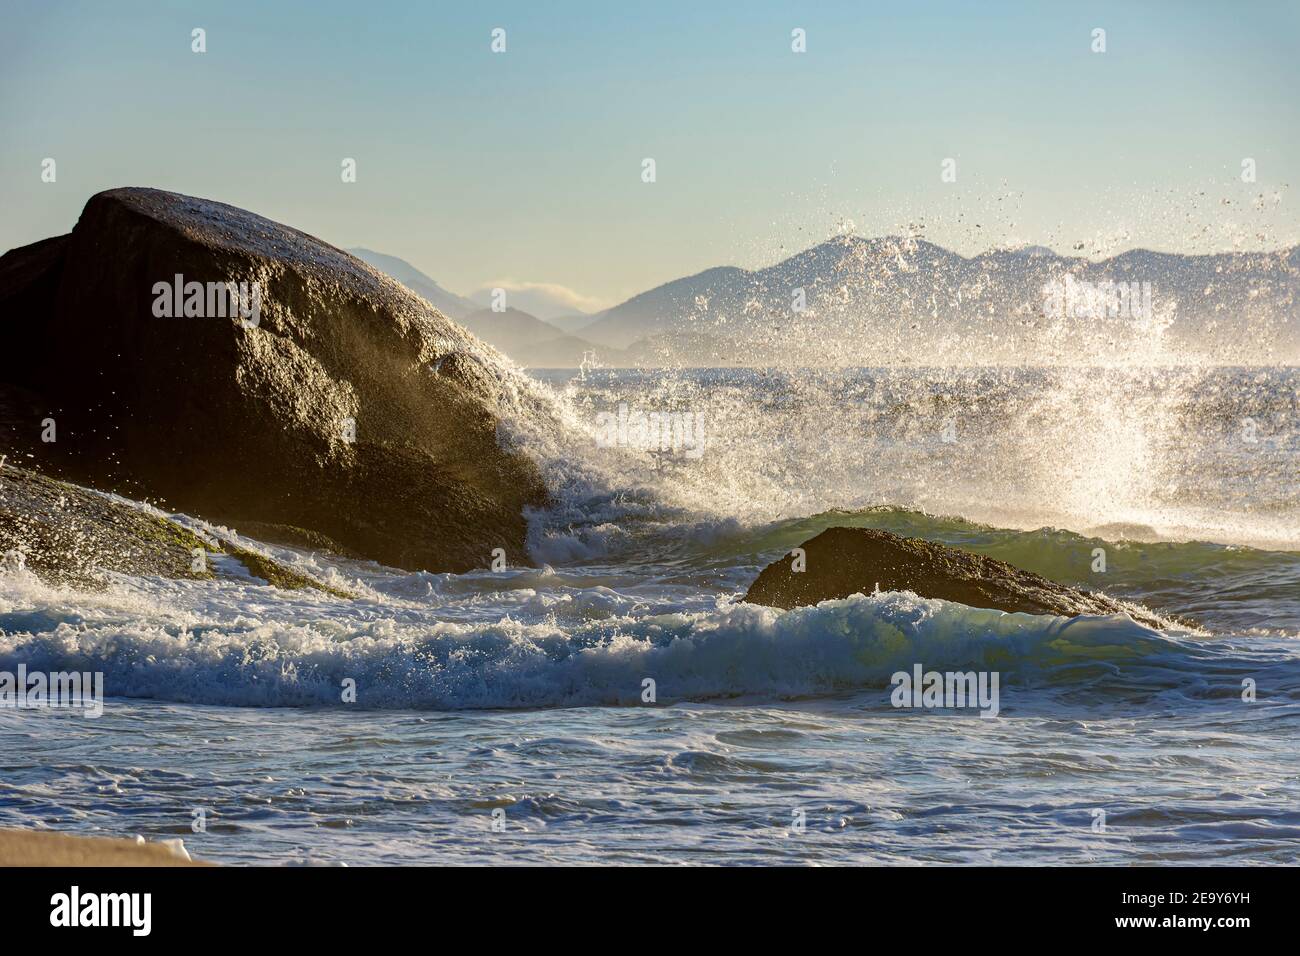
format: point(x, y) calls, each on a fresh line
point(55, 848)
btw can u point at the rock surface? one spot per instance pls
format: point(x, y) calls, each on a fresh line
point(845, 561)
point(69, 536)
point(236, 422)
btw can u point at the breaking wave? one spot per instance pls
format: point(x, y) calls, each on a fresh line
point(145, 648)
point(642, 560)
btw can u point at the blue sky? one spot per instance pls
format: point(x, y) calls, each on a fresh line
point(484, 168)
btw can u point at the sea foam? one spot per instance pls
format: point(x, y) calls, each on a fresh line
point(293, 653)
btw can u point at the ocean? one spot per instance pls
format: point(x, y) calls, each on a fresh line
point(504, 715)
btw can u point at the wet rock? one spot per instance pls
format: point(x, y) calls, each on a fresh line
point(845, 561)
point(344, 406)
point(70, 536)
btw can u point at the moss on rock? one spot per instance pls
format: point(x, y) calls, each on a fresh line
point(73, 536)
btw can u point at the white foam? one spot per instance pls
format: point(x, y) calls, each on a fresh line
point(288, 651)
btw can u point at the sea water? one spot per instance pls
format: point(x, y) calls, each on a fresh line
point(505, 716)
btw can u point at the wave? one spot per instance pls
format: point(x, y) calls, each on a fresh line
point(731, 651)
point(1061, 554)
point(1157, 454)
point(1170, 577)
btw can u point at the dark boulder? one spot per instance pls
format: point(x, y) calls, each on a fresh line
point(347, 407)
point(845, 561)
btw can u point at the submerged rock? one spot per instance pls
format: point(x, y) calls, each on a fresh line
point(342, 408)
point(845, 561)
point(70, 536)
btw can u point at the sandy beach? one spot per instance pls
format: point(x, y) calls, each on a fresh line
point(31, 848)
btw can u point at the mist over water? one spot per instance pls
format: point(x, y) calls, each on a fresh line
point(1169, 453)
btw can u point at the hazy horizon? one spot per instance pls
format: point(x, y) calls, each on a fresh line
point(478, 292)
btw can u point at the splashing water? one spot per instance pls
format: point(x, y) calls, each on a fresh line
point(522, 690)
point(1158, 453)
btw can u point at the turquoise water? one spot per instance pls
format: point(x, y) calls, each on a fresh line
point(771, 736)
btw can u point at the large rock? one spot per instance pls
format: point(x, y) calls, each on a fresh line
point(845, 561)
point(243, 423)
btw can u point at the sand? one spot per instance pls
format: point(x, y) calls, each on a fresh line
point(44, 848)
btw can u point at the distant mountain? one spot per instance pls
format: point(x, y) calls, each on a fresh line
point(671, 306)
point(525, 338)
point(572, 322)
point(509, 330)
point(448, 303)
point(551, 303)
point(571, 352)
point(531, 342)
point(855, 301)
point(903, 300)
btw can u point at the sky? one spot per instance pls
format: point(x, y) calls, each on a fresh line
point(526, 166)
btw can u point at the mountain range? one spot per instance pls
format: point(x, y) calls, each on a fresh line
point(448, 303)
point(529, 340)
point(857, 301)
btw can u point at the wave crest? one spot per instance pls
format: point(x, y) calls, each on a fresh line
point(734, 650)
